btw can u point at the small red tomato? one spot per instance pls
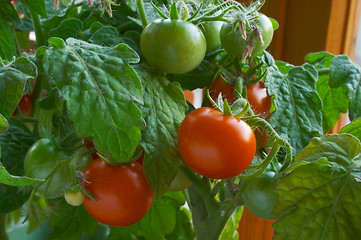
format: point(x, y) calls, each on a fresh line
point(215, 145)
point(259, 100)
point(122, 192)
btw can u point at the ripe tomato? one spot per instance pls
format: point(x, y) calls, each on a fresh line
point(25, 105)
point(219, 86)
point(259, 100)
point(211, 33)
point(233, 42)
point(123, 194)
point(173, 46)
point(215, 145)
point(259, 195)
point(41, 160)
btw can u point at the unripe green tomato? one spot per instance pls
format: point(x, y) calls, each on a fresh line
point(40, 161)
point(74, 198)
point(233, 42)
point(173, 46)
point(211, 33)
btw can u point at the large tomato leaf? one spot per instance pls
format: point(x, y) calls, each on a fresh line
point(71, 27)
point(334, 100)
point(353, 128)
point(72, 223)
point(13, 77)
point(7, 42)
point(8, 12)
point(14, 143)
point(321, 198)
point(100, 88)
point(163, 110)
point(298, 116)
point(3, 124)
point(345, 73)
point(37, 6)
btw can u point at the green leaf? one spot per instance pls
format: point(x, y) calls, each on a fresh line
point(12, 83)
point(230, 230)
point(345, 73)
point(107, 36)
point(72, 223)
point(38, 6)
point(8, 12)
point(7, 41)
point(71, 27)
point(8, 179)
point(322, 199)
point(334, 99)
point(183, 229)
point(100, 88)
point(163, 110)
point(353, 128)
point(298, 116)
point(3, 124)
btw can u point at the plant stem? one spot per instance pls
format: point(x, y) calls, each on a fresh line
point(141, 12)
point(3, 221)
point(37, 28)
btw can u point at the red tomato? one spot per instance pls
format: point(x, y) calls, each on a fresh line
point(123, 194)
point(219, 86)
point(25, 105)
point(258, 99)
point(215, 145)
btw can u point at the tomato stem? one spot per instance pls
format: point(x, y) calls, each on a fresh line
point(37, 28)
point(3, 222)
point(141, 12)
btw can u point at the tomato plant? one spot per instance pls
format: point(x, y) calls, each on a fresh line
point(180, 182)
point(211, 33)
point(259, 195)
point(25, 105)
point(215, 145)
point(259, 100)
point(74, 198)
point(219, 86)
point(173, 46)
point(122, 193)
point(234, 43)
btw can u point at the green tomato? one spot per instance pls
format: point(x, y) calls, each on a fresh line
point(41, 160)
point(233, 42)
point(211, 33)
point(180, 182)
point(259, 195)
point(74, 198)
point(173, 46)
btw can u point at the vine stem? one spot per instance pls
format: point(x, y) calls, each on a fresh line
point(141, 12)
point(3, 222)
point(37, 28)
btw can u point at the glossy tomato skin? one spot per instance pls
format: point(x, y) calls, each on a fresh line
point(233, 42)
point(259, 100)
point(259, 195)
point(173, 46)
point(40, 161)
point(215, 145)
point(123, 194)
point(211, 33)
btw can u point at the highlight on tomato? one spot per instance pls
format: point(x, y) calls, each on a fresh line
point(173, 46)
point(123, 196)
point(216, 145)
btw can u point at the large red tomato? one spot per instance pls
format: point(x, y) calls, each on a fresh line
point(215, 145)
point(122, 192)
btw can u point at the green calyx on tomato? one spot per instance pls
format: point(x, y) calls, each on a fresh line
point(173, 46)
point(215, 145)
point(256, 41)
point(259, 196)
point(211, 32)
point(122, 192)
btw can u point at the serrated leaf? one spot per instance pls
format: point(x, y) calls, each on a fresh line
point(107, 36)
point(163, 110)
point(298, 107)
point(12, 83)
point(72, 223)
point(345, 73)
point(100, 88)
point(71, 27)
point(38, 6)
point(321, 200)
point(7, 41)
point(353, 128)
point(334, 99)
